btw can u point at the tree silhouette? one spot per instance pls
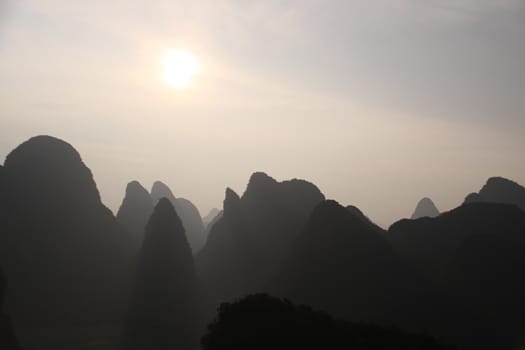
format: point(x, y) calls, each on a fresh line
point(263, 322)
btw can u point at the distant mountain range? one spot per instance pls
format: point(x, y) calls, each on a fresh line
point(425, 208)
point(78, 276)
point(499, 190)
point(137, 207)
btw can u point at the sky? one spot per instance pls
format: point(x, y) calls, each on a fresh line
point(378, 102)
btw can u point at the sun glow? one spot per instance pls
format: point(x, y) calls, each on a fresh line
point(179, 68)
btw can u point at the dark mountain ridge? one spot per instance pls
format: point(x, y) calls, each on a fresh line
point(165, 306)
point(63, 252)
point(187, 211)
point(135, 211)
point(499, 190)
point(255, 232)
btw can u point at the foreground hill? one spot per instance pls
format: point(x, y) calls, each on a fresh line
point(264, 322)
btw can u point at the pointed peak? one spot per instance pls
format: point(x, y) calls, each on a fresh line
point(260, 180)
point(164, 212)
point(159, 186)
point(164, 206)
point(425, 208)
point(231, 195)
point(165, 227)
point(426, 200)
point(161, 190)
point(231, 201)
point(135, 187)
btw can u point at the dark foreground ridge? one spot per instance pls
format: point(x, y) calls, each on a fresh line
point(165, 306)
point(499, 190)
point(264, 322)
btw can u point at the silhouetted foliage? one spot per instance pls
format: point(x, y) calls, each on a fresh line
point(264, 322)
point(425, 208)
point(165, 308)
point(188, 213)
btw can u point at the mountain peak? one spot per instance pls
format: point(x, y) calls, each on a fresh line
point(164, 306)
point(134, 187)
point(164, 221)
point(425, 208)
point(499, 190)
point(135, 211)
point(259, 181)
point(231, 201)
point(51, 168)
point(44, 146)
point(161, 190)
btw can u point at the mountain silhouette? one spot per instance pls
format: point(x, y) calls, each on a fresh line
point(343, 265)
point(255, 232)
point(63, 252)
point(135, 211)
point(359, 214)
point(499, 190)
point(189, 214)
point(206, 220)
point(210, 225)
point(160, 190)
point(425, 208)
point(475, 254)
point(7, 335)
point(164, 307)
point(264, 322)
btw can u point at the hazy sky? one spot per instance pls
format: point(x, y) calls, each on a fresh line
point(379, 103)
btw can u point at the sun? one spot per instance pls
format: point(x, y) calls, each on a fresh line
point(179, 68)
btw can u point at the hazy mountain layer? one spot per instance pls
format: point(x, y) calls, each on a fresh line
point(165, 307)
